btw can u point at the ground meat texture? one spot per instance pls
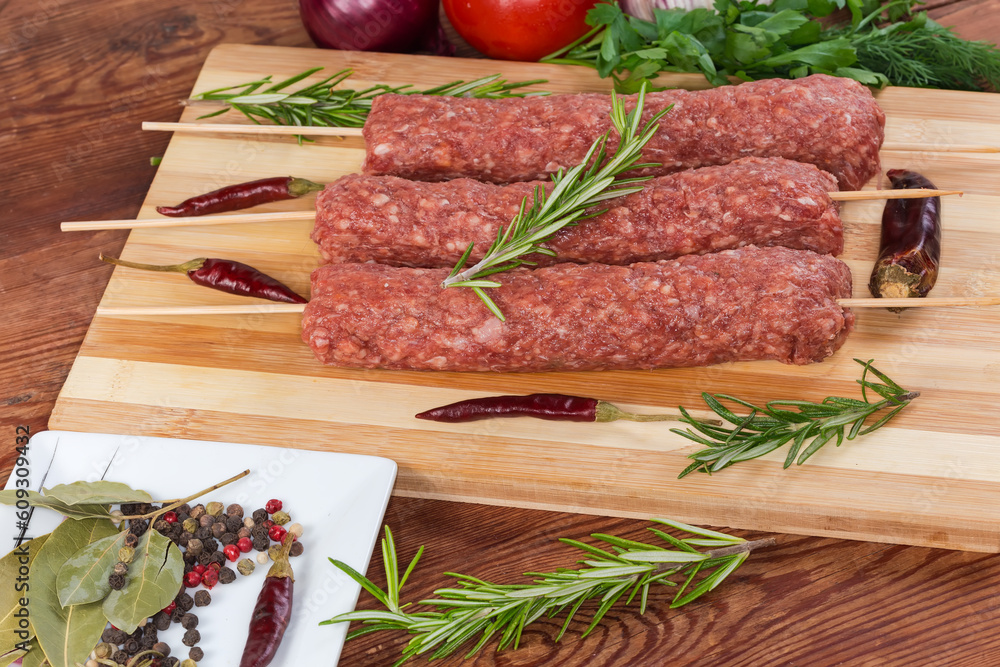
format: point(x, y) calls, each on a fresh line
point(736, 305)
point(753, 201)
point(831, 122)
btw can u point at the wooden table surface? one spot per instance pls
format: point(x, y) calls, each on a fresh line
point(81, 76)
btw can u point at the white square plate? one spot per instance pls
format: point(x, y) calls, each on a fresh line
point(338, 498)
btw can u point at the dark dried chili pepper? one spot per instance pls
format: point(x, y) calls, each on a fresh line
point(225, 275)
point(242, 195)
point(272, 612)
point(910, 246)
point(554, 407)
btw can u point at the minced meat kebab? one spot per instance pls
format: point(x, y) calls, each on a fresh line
point(831, 122)
point(736, 305)
point(752, 201)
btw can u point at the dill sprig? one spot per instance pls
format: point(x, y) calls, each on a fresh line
point(767, 428)
point(323, 104)
point(592, 181)
point(476, 607)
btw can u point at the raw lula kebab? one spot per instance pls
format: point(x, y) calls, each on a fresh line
point(396, 321)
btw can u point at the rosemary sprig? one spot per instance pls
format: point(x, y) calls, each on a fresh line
point(324, 104)
point(476, 607)
point(767, 428)
point(592, 181)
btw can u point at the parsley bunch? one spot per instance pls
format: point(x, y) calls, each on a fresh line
point(750, 40)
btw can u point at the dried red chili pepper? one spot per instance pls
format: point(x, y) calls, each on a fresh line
point(554, 407)
point(242, 195)
point(225, 275)
point(272, 612)
point(910, 245)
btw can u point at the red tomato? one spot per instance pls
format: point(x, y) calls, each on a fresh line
point(518, 29)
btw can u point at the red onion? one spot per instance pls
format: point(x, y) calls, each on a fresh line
point(643, 9)
point(398, 26)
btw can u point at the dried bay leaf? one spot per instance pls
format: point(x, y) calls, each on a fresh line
point(96, 493)
point(11, 592)
point(66, 635)
point(35, 657)
point(11, 656)
point(84, 577)
point(10, 497)
point(153, 580)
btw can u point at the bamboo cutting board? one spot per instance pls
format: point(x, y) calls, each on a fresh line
point(932, 478)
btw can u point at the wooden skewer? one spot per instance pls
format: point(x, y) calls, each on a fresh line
point(916, 193)
point(249, 128)
point(316, 130)
point(283, 216)
point(275, 308)
point(295, 216)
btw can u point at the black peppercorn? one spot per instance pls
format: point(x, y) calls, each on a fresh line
point(132, 646)
point(176, 615)
point(112, 636)
point(116, 581)
point(121, 568)
point(203, 533)
point(171, 662)
point(161, 526)
point(190, 557)
point(206, 520)
point(130, 508)
point(234, 523)
point(145, 508)
point(190, 621)
point(181, 516)
point(258, 531)
point(204, 558)
point(259, 515)
point(147, 642)
point(176, 530)
point(226, 575)
point(228, 538)
point(184, 509)
point(209, 544)
point(161, 621)
point(191, 637)
point(149, 635)
point(261, 543)
point(138, 526)
point(121, 657)
point(217, 557)
point(296, 549)
point(184, 601)
point(131, 540)
point(136, 634)
point(184, 539)
point(196, 654)
point(203, 598)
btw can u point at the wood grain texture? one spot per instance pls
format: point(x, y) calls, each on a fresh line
point(228, 372)
point(809, 601)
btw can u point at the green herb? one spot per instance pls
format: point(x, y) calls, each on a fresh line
point(573, 193)
point(10, 597)
point(83, 577)
point(476, 607)
point(752, 40)
point(767, 428)
point(66, 635)
point(324, 104)
point(35, 499)
point(154, 577)
point(96, 493)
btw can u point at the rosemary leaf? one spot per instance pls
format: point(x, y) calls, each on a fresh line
point(573, 193)
point(501, 612)
point(809, 426)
